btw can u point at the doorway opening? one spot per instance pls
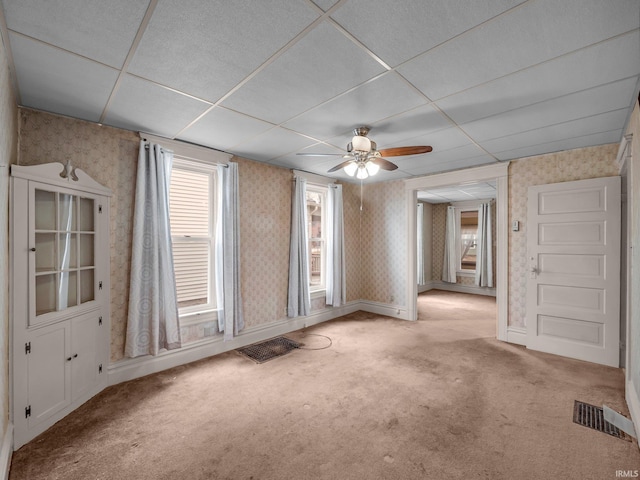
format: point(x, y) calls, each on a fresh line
point(497, 177)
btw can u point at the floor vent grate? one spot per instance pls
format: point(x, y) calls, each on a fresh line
point(268, 350)
point(592, 417)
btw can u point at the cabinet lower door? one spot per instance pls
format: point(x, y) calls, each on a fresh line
point(49, 380)
point(85, 332)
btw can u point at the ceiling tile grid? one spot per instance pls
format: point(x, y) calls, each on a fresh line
point(480, 82)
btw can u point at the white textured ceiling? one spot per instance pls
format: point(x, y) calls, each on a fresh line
point(481, 82)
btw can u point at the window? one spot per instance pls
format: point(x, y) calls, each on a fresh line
point(192, 211)
point(316, 218)
point(468, 240)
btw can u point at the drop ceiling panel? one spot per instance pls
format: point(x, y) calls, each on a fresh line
point(602, 138)
point(533, 33)
point(415, 162)
point(140, 105)
point(274, 143)
point(57, 81)
point(568, 130)
point(376, 100)
point(594, 101)
point(397, 131)
point(205, 48)
point(439, 167)
point(99, 30)
point(221, 128)
point(320, 66)
point(602, 63)
point(510, 77)
point(325, 4)
point(312, 163)
point(398, 31)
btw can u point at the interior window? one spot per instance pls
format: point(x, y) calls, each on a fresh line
point(316, 201)
point(192, 216)
point(468, 239)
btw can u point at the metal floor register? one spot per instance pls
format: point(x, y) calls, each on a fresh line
point(591, 416)
point(269, 349)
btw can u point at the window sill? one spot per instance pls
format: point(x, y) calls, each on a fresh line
point(466, 273)
point(187, 319)
point(318, 293)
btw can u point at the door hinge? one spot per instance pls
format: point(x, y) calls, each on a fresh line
point(27, 348)
point(100, 320)
point(100, 368)
point(27, 411)
point(100, 285)
point(99, 208)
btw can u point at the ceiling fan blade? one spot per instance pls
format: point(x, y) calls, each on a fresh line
point(384, 164)
point(399, 151)
point(339, 166)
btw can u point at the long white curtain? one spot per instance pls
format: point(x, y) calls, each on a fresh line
point(299, 299)
point(229, 298)
point(153, 321)
point(336, 269)
point(484, 249)
point(420, 242)
point(449, 266)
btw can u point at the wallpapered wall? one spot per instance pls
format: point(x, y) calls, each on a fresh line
point(109, 155)
point(384, 243)
point(8, 155)
point(579, 164)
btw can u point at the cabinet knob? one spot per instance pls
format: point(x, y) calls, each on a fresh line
point(33, 249)
point(68, 359)
point(75, 356)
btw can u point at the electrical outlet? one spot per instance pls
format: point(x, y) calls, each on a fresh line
point(392, 298)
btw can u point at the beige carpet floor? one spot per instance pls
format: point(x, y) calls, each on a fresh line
point(439, 398)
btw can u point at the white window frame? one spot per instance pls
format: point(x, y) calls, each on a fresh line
point(319, 290)
point(208, 312)
point(460, 207)
point(463, 272)
point(318, 182)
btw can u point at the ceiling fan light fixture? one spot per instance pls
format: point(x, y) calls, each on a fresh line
point(362, 172)
point(372, 168)
point(361, 144)
point(350, 169)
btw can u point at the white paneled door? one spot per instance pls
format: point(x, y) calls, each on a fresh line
point(573, 284)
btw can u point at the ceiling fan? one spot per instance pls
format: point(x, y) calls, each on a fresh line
point(363, 159)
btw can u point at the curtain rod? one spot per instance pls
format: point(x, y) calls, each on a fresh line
point(147, 144)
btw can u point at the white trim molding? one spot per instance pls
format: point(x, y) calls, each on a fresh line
point(498, 172)
point(7, 451)
point(624, 152)
point(457, 287)
point(517, 335)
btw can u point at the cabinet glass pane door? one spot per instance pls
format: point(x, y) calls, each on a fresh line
point(64, 236)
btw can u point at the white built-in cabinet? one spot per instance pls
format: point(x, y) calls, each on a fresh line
point(59, 290)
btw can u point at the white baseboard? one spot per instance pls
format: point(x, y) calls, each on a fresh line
point(384, 309)
point(6, 452)
point(517, 335)
point(426, 287)
point(131, 368)
point(456, 287)
point(633, 402)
